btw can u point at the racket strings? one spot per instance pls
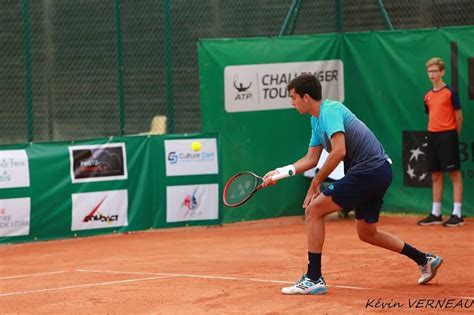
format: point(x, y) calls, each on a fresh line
point(240, 188)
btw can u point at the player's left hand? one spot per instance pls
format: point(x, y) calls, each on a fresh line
point(312, 193)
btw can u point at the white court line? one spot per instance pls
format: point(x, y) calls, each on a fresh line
point(170, 275)
point(250, 279)
point(33, 275)
point(82, 286)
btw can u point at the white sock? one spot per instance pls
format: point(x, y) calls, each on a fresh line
point(436, 209)
point(457, 209)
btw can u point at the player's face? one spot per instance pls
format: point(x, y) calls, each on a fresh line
point(434, 73)
point(297, 101)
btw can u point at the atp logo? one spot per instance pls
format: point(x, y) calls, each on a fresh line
point(242, 93)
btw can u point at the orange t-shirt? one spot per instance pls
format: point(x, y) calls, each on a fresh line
point(440, 106)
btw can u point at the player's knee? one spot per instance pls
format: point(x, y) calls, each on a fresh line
point(436, 176)
point(455, 176)
point(313, 211)
point(366, 236)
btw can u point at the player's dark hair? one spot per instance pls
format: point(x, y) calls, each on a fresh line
point(306, 84)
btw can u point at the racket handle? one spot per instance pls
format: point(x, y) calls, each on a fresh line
point(277, 177)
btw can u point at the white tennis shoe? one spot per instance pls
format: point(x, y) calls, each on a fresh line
point(307, 286)
point(429, 269)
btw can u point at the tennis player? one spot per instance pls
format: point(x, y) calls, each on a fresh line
point(368, 175)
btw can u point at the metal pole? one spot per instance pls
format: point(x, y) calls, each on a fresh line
point(340, 15)
point(119, 63)
point(386, 18)
point(28, 71)
point(293, 8)
point(295, 17)
point(169, 64)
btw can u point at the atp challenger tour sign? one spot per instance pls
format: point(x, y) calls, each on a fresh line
point(264, 86)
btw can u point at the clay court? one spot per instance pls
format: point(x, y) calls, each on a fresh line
point(235, 269)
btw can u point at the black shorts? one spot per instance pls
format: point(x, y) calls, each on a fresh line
point(443, 151)
point(362, 191)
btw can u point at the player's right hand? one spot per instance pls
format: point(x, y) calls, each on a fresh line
point(267, 179)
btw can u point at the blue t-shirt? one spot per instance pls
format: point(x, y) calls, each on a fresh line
point(363, 151)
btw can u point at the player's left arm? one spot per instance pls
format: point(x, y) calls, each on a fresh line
point(337, 154)
point(457, 110)
point(459, 120)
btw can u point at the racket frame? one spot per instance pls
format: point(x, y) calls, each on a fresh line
point(275, 178)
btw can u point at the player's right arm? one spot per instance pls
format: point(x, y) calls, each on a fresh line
point(310, 160)
point(307, 162)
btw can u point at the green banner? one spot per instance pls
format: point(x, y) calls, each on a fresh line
point(101, 186)
point(380, 76)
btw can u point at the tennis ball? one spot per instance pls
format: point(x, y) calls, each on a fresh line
point(196, 146)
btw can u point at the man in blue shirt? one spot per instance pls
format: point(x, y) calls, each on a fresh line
point(368, 175)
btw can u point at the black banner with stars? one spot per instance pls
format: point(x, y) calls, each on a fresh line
point(415, 164)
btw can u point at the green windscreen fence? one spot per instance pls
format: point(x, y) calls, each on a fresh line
point(380, 76)
point(99, 186)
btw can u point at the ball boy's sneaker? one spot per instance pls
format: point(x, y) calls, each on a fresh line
point(429, 269)
point(453, 221)
point(307, 286)
point(431, 219)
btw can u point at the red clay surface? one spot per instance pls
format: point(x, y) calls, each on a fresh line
point(236, 269)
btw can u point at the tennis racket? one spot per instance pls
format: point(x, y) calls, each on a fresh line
point(242, 186)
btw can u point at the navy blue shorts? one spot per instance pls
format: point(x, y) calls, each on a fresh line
point(362, 191)
point(443, 151)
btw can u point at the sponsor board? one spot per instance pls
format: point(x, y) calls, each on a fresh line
point(98, 210)
point(14, 169)
point(15, 216)
point(192, 202)
point(181, 159)
point(264, 86)
point(416, 172)
point(90, 163)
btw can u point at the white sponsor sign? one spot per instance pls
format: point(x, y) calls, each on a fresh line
point(15, 216)
point(192, 202)
point(14, 170)
point(264, 86)
point(97, 210)
point(102, 162)
point(181, 159)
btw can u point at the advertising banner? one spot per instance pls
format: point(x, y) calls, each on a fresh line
point(192, 203)
point(98, 210)
point(103, 162)
point(415, 161)
point(15, 216)
point(181, 159)
point(14, 169)
point(264, 86)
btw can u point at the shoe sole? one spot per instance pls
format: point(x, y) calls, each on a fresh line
point(431, 223)
point(454, 225)
point(314, 292)
point(433, 272)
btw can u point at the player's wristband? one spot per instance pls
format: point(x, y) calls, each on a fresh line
point(289, 169)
